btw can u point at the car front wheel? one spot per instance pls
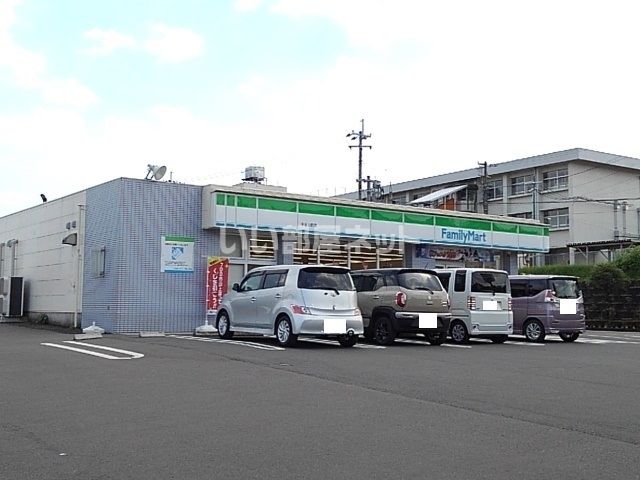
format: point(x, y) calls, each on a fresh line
point(224, 326)
point(534, 331)
point(284, 333)
point(383, 331)
point(458, 332)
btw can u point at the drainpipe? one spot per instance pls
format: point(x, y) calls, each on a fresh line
point(616, 234)
point(625, 205)
point(2, 256)
point(79, 262)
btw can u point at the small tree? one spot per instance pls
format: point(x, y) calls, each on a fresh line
point(629, 262)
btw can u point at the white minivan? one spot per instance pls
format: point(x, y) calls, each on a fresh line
point(480, 303)
point(292, 300)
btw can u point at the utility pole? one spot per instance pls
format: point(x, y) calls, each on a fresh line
point(360, 136)
point(485, 200)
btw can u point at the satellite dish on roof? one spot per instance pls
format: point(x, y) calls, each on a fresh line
point(155, 172)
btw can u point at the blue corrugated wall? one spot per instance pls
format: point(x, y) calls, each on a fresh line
point(128, 217)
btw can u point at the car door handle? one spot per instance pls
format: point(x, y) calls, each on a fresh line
point(376, 297)
point(278, 295)
point(253, 299)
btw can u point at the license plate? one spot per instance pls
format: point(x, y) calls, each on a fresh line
point(490, 305)
point(568, 306)
point(335, 325)
point(427, 320)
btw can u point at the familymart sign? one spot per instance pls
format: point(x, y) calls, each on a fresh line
point(245, 211)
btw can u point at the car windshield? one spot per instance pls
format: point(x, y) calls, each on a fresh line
point(419, 281)
point(489, 282)
point(565, 287)
point(325, 278)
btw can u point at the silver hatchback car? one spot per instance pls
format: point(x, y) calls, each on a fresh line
point(292, 300)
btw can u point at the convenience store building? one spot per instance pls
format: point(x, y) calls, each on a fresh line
point(135, 252)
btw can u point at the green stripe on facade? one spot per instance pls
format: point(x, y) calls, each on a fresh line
point(168, 238)
point(530, 230)
point(247, 202)
point(463, 223)
point(418, 219)
point(316, 209)
point(293, 206)
point(278, 205)
point(386, 216)
point(505, 227)
point(352, 212)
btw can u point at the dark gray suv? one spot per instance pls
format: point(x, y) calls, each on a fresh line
point(402, 300)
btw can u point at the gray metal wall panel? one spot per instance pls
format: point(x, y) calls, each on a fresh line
point(103, 227)
point(147, 299)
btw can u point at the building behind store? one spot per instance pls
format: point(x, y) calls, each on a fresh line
point(589, 200)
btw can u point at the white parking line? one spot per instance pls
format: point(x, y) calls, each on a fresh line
point(526, 344)
point(242, 343)
point(110, 349)
point(133, 355)
point(409, 340)
point(327, 341)
point(455, 345)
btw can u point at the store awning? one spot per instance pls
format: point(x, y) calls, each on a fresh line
point(438, 194)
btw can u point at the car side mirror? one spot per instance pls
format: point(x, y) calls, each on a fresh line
point(236, 287)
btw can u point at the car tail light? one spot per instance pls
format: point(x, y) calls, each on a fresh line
point(510, 304)
point(357, 312)
point(401, 299)
point(471, 303)
point(300, 309)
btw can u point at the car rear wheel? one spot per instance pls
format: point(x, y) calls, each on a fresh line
point(459, 332)
point(534, 331)
point(436, 338)
point(383, 331)
point(224, 326)
point(499, 338)
point(347, 341)
point(284, 333)
point(569, 336)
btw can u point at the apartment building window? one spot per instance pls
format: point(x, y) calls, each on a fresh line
point(556, 218)
point(522, 184)
point(556, 180)
point(494, 189)
point(522, 215)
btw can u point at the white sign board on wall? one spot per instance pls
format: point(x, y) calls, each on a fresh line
point(176, 254)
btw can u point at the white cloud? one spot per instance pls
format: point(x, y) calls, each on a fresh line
point(246, 5)
point(29, 69)
point(166, 43)
point(106, 41)
point(253, 86)
point(173, 44)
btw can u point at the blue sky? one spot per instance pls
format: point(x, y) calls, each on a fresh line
point(91, 91)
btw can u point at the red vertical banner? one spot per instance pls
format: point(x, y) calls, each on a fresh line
point(217, 280)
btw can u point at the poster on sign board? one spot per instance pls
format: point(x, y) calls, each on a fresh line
point(176, 254)
point(217, 281)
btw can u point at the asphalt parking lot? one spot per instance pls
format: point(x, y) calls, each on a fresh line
point(187, 407)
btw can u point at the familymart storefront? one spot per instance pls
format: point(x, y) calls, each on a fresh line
point(267, 228)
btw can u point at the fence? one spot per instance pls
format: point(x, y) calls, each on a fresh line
point(617, 309)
